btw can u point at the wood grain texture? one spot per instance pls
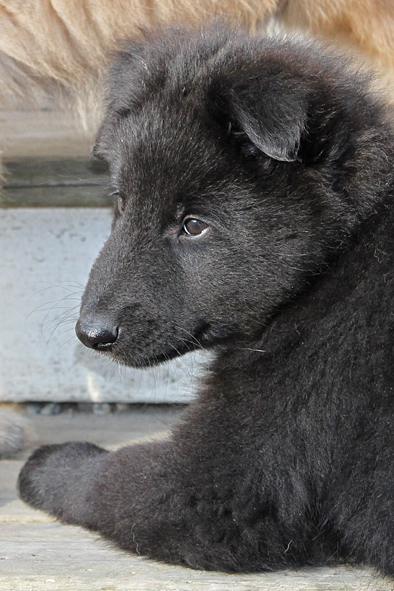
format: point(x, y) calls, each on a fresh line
point(38, 554)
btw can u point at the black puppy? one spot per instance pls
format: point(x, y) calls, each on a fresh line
point(254, 215)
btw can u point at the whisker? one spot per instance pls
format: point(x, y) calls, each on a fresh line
point(250, 349)
point(194, 340)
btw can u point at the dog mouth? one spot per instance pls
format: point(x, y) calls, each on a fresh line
point(135, 354)
point(203, 338)
point(124, 346)
point(133, 357)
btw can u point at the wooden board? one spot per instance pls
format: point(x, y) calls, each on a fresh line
point(54, 182)
point(38, 554)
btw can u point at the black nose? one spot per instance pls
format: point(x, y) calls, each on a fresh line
point(97, 333)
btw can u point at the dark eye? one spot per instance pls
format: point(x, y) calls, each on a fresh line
point(194, 227)
point(121, 200)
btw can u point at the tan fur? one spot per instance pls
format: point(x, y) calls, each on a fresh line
point(366, 26)
point(58, 48)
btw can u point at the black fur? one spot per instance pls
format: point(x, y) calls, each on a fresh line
point(286, 458)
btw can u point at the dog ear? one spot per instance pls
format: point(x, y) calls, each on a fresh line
point(123, 88)
point(271, 113)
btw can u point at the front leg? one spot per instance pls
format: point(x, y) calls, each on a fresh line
point(141, 497)
point(172, 500)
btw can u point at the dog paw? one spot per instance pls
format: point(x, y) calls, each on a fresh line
point(57, 478)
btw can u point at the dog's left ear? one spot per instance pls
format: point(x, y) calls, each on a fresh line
point(271, 112)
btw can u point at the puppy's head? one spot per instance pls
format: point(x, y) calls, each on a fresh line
point(238, 166)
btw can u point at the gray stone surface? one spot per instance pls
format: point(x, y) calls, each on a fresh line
point(46, 255)
point(38, 554)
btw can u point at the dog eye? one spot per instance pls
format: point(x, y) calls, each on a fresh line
point(194, 227)
point(121, 200)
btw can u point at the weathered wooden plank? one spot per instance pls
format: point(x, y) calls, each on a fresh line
point(37, 556)
point(68, 182)
point(36, 553)
point(30, 171)
point(60, 196)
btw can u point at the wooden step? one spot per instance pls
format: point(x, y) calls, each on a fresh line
point(57, 182)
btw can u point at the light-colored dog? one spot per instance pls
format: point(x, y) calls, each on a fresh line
point(56, 50)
